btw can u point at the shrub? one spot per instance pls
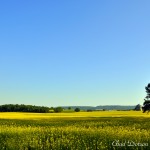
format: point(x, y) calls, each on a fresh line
point(89, 110)
point(77, 110)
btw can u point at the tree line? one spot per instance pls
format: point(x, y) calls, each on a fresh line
point(23, 108)
point(31, 108)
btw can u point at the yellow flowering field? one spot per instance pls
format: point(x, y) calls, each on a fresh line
point(103, 130)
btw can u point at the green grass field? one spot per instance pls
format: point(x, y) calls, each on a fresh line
point(75, 131)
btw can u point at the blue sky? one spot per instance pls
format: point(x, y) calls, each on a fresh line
point(57, 53)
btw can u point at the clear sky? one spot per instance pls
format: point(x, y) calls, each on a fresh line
point(74, 52)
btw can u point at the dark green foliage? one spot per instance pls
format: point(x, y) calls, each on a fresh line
point(147, 88)
point(77, 109)
point(58, 109)
point(146, 107)
point(69, 108)
point(137, 107)
point(89, 110)
point(146, 102)
point(23, 108)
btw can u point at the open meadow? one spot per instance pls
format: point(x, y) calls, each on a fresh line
point(75, 131)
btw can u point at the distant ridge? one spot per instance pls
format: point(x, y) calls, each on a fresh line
point(101, 107)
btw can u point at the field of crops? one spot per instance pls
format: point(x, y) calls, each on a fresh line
point(75, 131)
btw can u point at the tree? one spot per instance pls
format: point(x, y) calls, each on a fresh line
point(137, 107)
point(77, 109)
point(146, 104)
point(69, 108)
point(147, 88)
point(58, 109)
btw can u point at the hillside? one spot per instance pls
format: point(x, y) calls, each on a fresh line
point(101, 107)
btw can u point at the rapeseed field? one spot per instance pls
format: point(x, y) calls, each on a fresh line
point(108, 130)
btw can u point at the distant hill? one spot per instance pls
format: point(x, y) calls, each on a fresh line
point(101, 107)
point(115, 107)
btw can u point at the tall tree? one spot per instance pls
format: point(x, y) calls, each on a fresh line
point(147, 88)
point(146, 104)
